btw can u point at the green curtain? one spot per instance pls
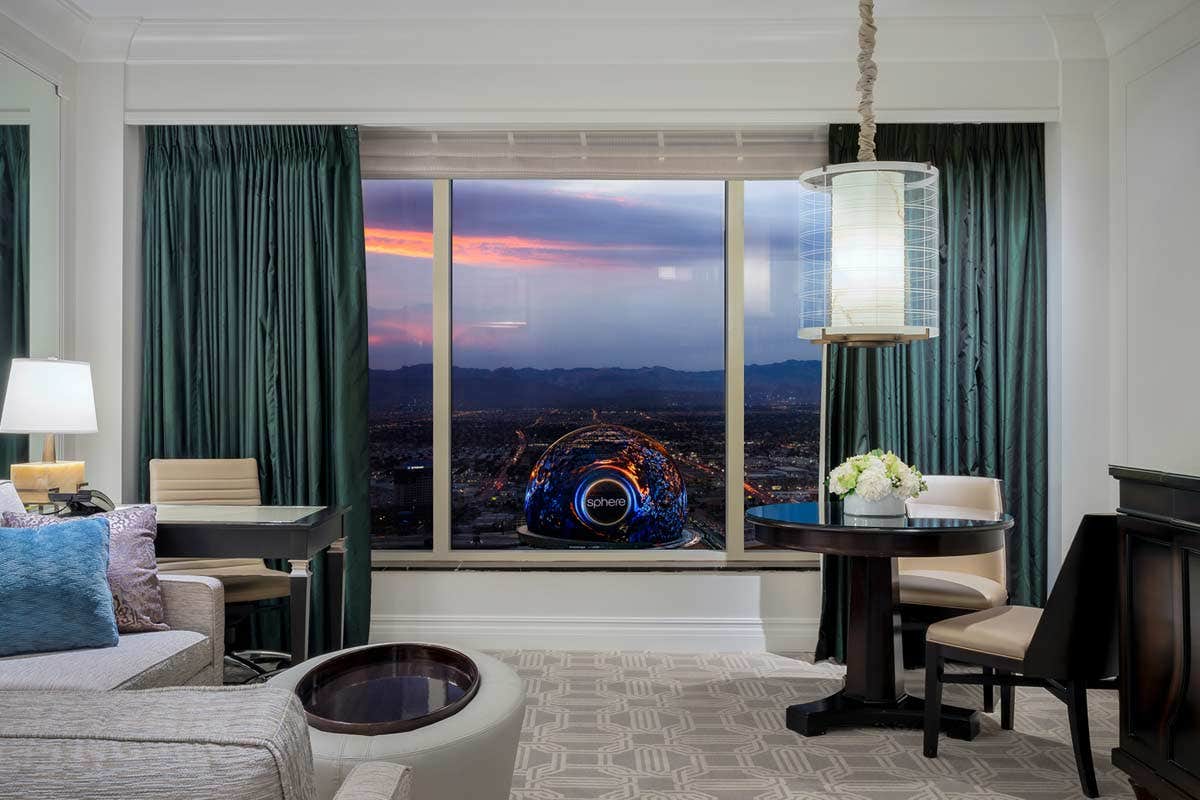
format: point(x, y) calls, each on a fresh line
point(14, 270)
point(973, 400)
point(255, 341)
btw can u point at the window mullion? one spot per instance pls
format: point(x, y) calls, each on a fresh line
point(735, 358)
point(441, 367)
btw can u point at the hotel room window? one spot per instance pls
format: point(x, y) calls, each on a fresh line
point(398, 220)
point(588, 319)
point(782, 372)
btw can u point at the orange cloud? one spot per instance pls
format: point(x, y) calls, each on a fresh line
point(410, 244)
point(496, 251)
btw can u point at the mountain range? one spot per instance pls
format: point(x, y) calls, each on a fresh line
point(607, 387)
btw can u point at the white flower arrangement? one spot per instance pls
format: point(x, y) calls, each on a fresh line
point(876, 475)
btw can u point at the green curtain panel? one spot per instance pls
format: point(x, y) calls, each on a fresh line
point(255, 341)
point(973, 400)
point(14, 271)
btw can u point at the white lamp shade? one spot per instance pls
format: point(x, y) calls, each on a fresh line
point(869, 253)
point(47, 395)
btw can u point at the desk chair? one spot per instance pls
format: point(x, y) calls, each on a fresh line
point(933, 589)
point(225, 482)
point(1065, 649)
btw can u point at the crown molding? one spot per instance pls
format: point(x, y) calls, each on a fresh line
point(108, 40)
point(624, 33)
point(1125, 21)
point(602, 41)
point(1076, 37)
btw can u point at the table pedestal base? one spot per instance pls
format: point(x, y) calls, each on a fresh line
point(839, 710)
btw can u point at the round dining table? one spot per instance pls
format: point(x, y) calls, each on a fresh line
point(873, 694)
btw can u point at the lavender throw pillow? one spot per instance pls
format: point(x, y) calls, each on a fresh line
point(132, 566)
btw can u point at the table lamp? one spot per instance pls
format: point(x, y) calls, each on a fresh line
point(48, 396)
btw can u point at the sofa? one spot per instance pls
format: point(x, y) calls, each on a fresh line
point(238, 743)
point(191, 653)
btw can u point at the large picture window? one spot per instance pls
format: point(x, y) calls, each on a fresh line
point(398, 217)
point(583, 345)
point(588, 314)
point(782, 372)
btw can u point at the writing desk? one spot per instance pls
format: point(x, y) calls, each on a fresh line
point(296, 534)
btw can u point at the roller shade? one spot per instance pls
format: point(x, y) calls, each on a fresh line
point(407, 153)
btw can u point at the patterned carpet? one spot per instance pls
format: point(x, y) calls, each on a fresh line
point(656, 726)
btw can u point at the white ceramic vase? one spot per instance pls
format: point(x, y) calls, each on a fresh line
point(890, 506)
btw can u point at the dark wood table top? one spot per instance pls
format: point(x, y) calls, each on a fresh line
point(291, 532)
point(937, 531)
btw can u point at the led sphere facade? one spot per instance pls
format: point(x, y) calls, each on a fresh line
point(607, 485)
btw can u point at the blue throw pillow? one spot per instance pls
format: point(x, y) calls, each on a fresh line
point(54, 591)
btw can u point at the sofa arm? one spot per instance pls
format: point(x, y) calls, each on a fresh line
point(376, 780)
point(196, 603)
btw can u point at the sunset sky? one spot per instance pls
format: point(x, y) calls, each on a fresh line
point(574, 273)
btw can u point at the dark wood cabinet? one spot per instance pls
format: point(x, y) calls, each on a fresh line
point(1160, 625)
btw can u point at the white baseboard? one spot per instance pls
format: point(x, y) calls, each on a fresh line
point(673, 634)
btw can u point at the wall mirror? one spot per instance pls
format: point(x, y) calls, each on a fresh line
point(30, 237)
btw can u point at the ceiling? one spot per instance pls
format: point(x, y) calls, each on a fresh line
point(582, 9)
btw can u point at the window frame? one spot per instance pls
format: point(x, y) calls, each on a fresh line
point(734, 552)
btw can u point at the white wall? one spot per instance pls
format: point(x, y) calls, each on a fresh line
point(97, 275)
point(1077, 302)
point(1155, 282)
point(600, 610)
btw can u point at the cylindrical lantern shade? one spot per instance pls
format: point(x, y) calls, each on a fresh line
point(869, 253)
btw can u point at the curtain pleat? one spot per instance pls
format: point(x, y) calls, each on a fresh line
point(14, 271)
point(255, 323)
point(973, 400)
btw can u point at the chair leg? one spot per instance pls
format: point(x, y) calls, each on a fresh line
point(933, 698)
point(1081, 737)
point(989, 694)
point(1008, 704)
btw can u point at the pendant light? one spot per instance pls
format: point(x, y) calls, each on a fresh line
point(869, 237)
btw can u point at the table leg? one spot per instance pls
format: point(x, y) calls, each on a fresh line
point(874, 694)
point(335, 586)
point(300, 578)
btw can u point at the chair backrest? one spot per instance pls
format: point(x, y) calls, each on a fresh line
point(205, 481)
point(961, 491)
point(1077, 634)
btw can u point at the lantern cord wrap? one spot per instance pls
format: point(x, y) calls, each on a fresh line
point(867, 72)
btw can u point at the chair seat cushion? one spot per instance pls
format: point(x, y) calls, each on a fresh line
point(1004, 631)
point(246, 580)
point(140, 660)
point(946, 589)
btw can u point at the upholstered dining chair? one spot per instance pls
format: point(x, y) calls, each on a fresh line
point(225, 482)
point(933, 589)
point(1067, 648)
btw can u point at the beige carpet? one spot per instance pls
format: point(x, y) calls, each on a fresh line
point(655, 726)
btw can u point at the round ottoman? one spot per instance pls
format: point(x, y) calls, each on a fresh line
point(467, 756)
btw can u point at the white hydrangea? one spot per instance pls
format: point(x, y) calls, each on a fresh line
point(842, 479)
point(873, 484)
point(910, 484)
point(875, 475)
